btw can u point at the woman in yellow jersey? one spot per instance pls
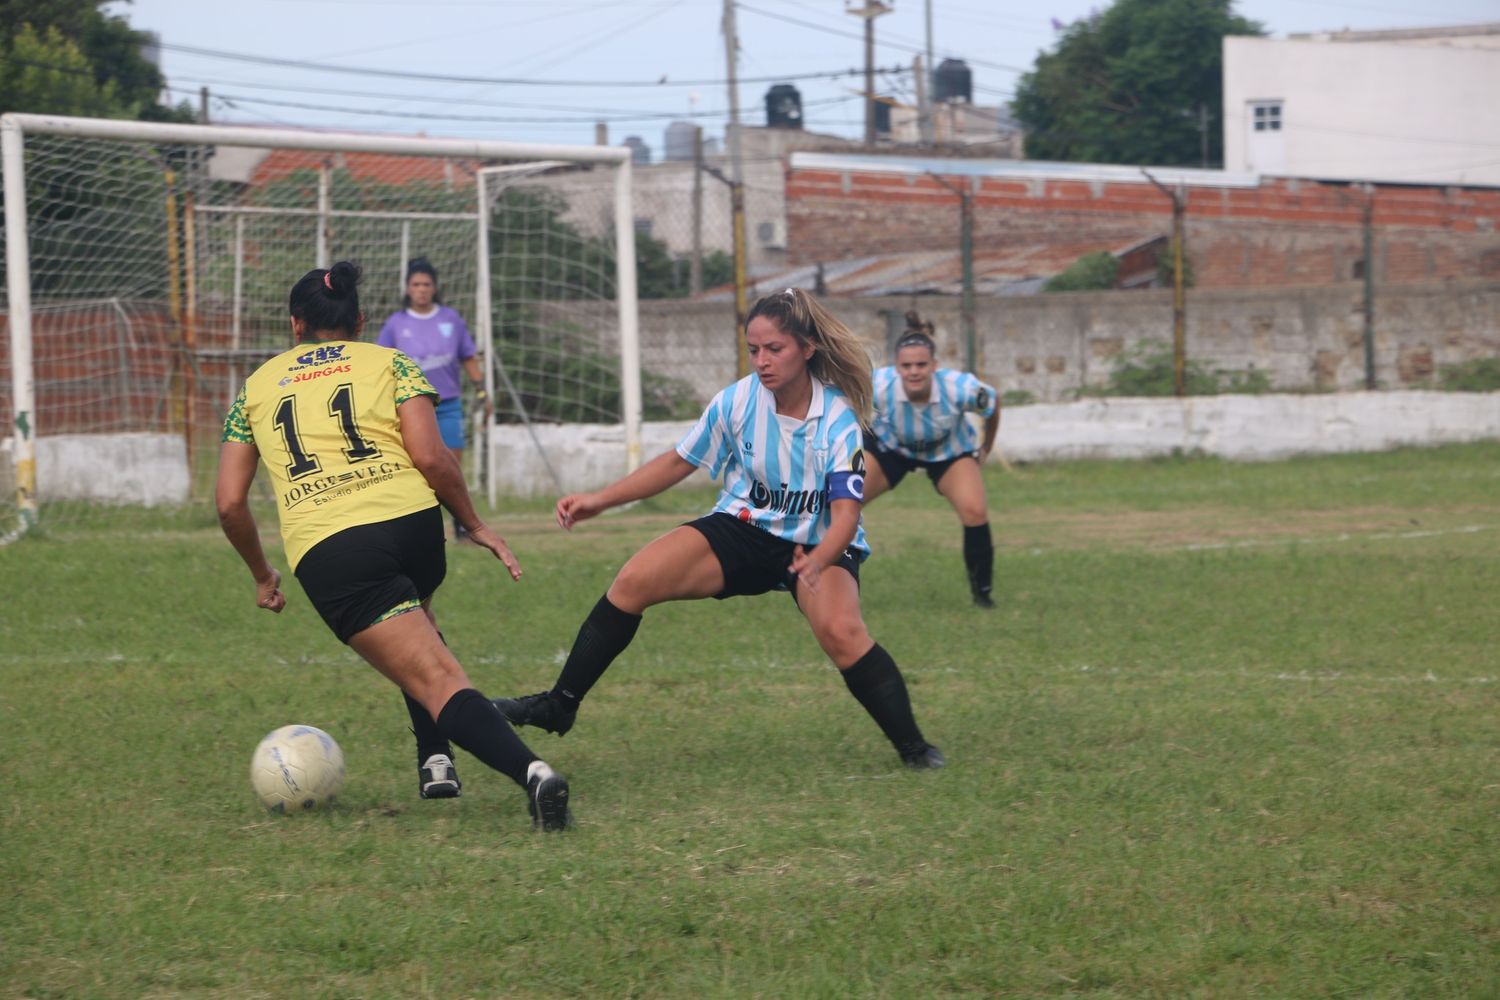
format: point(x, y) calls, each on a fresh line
point(349, 436)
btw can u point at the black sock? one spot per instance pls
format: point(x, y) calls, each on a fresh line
point(979, 557)
point(473, 722)
point(429, 738)
point(603, 636)
point(876, 682)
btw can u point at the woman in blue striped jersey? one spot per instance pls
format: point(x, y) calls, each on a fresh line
point(786, 442)
point(920, 424)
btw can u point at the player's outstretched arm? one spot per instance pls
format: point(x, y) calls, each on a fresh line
point(661, 473)
point(237, 464)
point(424, 443)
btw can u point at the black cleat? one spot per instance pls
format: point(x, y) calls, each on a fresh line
point(923, 757)
point(981, 591)
point(437, 779)
point(540, 710)
point(547, 798)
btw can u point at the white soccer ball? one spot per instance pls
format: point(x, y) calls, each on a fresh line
point(297, 769)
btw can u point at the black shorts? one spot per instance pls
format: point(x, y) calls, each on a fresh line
point(355, 577)
point(756, 561)
point(895, 465)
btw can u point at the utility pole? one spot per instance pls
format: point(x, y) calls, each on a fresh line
point(737, 193)
point(695, 264)
point(924, 85)
point(1179, 297)
point(870, 11)
point(1203, 135)
point(1369, 269)
point(924, 101)
point(966, 256)
point(203, 105)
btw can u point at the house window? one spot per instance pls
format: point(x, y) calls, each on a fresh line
point(1266, 116)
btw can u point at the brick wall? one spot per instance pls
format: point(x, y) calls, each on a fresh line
point(1285, 232)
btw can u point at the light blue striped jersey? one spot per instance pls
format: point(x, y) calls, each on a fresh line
point(779, 474)
point(934, 431)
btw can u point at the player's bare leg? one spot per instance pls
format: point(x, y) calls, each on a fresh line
point(963, 486)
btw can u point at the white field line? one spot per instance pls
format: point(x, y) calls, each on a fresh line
point(1345, 536)
point(1299, 676)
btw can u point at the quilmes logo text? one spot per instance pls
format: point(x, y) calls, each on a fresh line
point(785, 501)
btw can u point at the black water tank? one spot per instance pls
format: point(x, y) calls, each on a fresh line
point(883, 117)
point(783, 107)
point(953, 82)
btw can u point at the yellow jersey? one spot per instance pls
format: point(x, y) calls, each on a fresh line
point(323, 417)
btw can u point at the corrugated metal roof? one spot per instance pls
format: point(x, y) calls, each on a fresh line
point(1013, 271)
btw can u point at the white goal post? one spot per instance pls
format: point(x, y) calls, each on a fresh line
point(530, 289)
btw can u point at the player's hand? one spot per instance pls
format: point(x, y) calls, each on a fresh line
point(268, 593)
point(806, 569)
point(486, 537)
point(577, 507)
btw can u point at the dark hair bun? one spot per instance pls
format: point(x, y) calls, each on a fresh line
point(343, 278)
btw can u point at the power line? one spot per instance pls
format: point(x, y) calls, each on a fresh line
point(493, 80)
point(234, 100)
point(908, 46)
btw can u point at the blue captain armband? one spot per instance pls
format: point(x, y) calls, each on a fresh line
point(846, 486)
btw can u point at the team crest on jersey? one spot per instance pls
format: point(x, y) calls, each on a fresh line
point(446, 329)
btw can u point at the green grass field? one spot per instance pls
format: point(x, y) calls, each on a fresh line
point(1232, 732)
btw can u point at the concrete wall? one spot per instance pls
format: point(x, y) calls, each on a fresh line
point(1241, 428)
point(147, 469)
point(1367, 110)
point(1302, 339)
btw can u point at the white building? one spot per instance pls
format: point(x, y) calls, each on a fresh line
point(1412, 106)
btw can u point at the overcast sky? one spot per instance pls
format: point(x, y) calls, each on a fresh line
point(592, 60)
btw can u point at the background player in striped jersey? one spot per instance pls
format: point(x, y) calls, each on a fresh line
point(786, 441)
point(348, 434)
point(920, 424)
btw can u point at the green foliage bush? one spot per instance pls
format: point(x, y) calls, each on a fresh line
point(1147, 370)
point(1090, 273)
point(1477, 375)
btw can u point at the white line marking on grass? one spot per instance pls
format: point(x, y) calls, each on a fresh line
point(1467, 529)
point(1304, 676)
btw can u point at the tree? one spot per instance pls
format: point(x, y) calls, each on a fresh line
point(70, 57)
point(1140, 82)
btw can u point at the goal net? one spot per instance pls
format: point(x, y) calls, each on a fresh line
point(147, 269)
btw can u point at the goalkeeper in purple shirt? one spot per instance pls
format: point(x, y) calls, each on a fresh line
point(438, 340)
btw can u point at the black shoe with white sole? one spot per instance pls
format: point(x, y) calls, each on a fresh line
point(547, 798)
point(437, 778)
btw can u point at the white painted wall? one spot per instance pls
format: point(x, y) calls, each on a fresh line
point(1240, 428)
point(149, 469)
point(1404, 112)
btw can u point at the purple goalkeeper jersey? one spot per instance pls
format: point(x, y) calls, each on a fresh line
point(437, 343)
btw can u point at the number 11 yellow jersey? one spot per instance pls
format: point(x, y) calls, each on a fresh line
point(323, 417)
